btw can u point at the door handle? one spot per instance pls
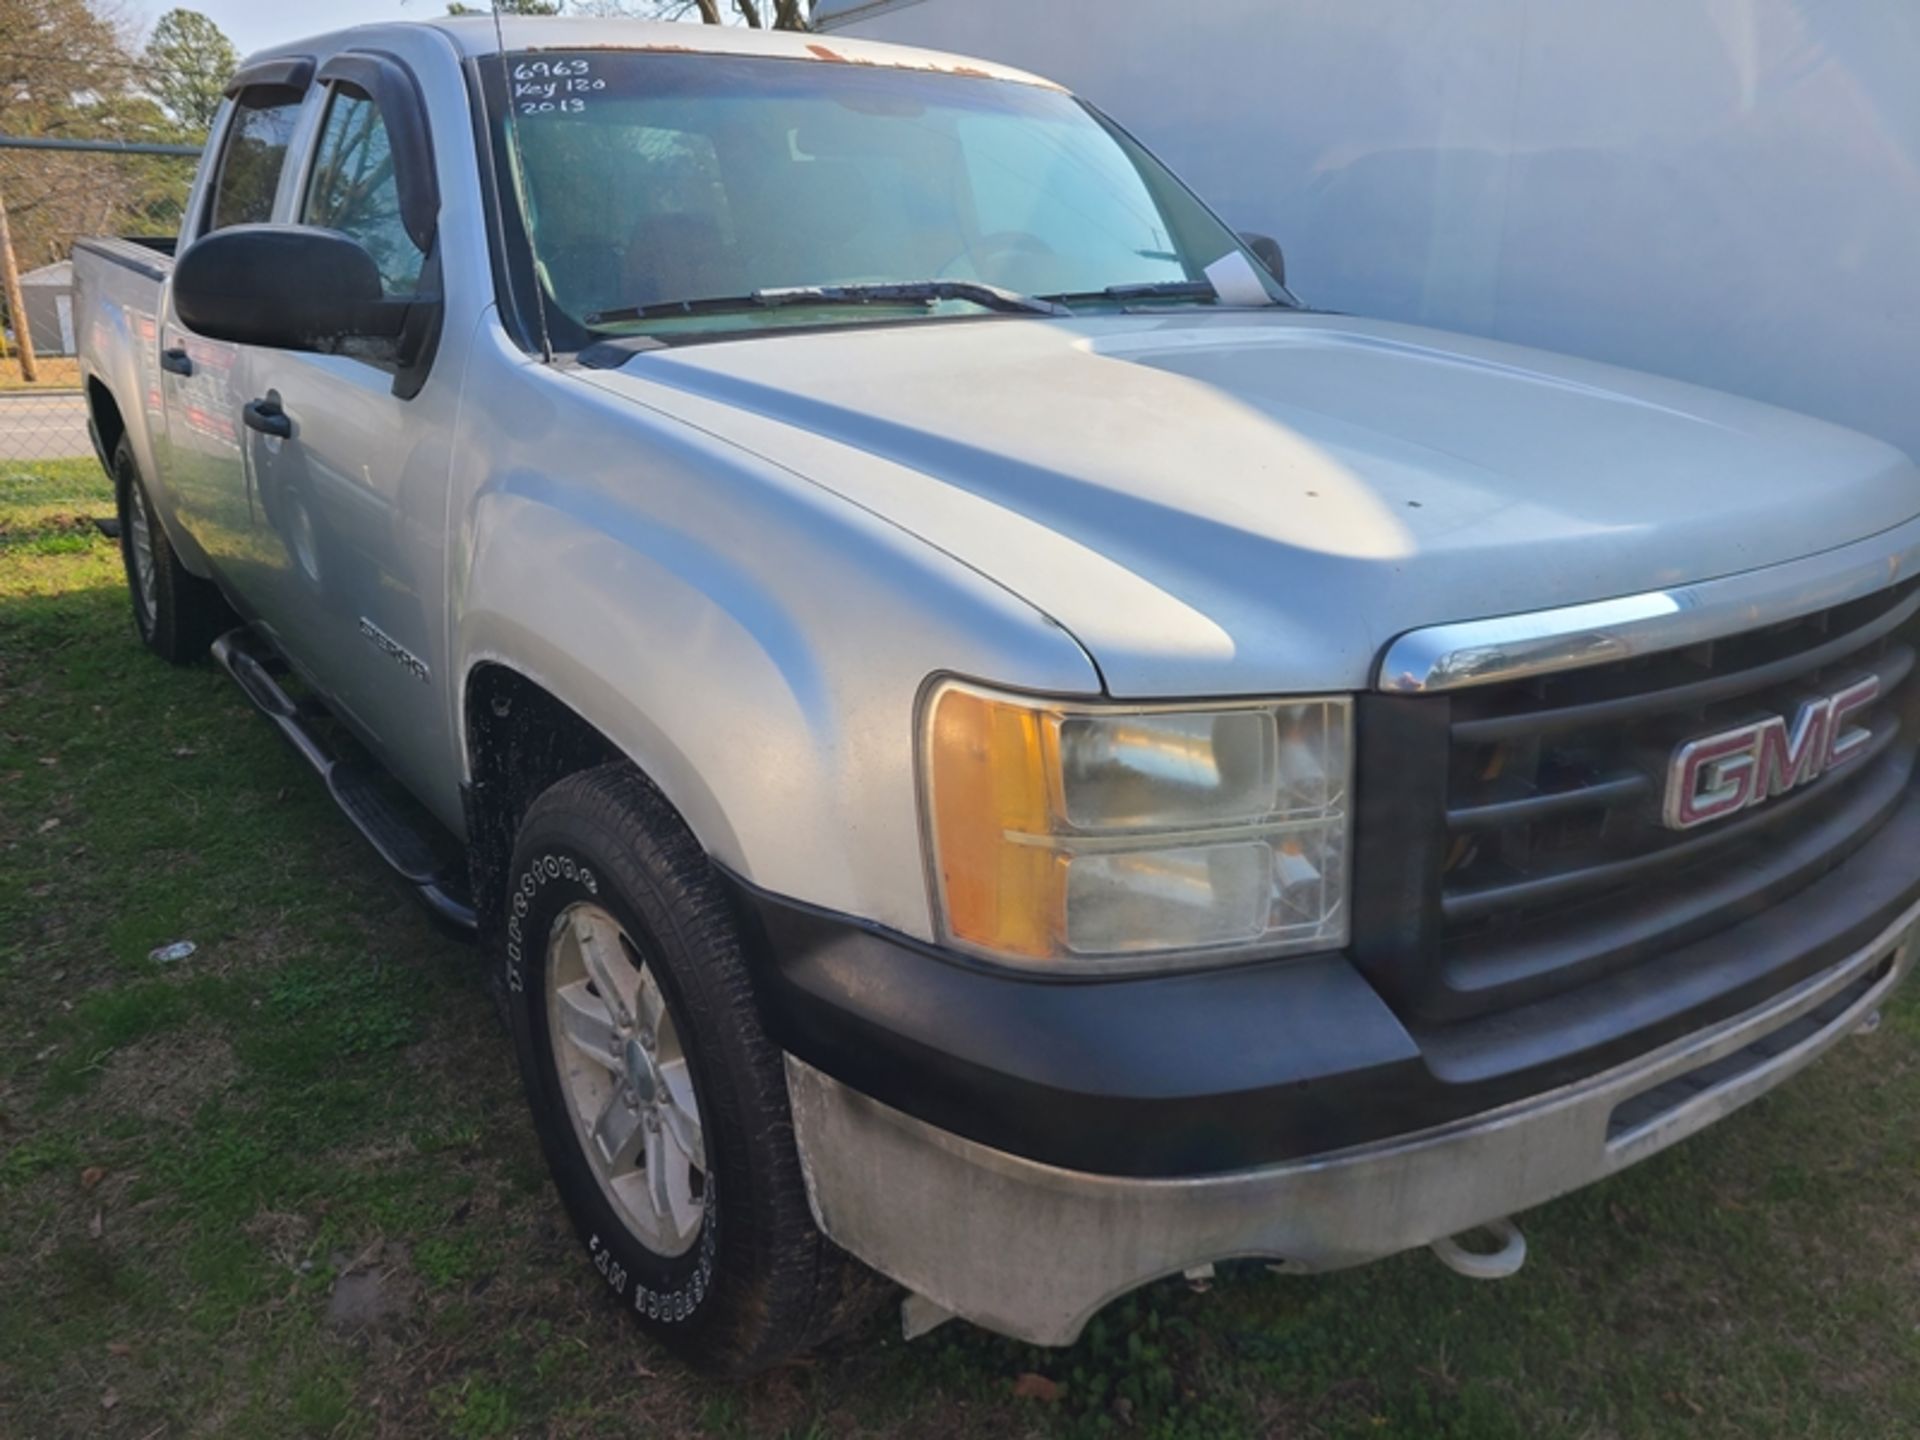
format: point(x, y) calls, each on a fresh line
point(176, 361)
point(267, 417)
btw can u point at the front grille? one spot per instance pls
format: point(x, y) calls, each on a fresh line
point(1533, 856)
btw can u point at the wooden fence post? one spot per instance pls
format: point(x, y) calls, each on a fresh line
point(16, 303)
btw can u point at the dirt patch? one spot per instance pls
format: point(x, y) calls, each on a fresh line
point(373, 1290)
point(56, 522)
point(165, 1079)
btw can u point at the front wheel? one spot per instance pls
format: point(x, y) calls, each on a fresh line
point(659, 1100)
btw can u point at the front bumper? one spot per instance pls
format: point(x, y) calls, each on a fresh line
point(1032, 1249)
point(1223, 1072)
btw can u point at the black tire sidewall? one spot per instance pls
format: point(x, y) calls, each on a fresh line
point(552, 871)
point(187, 611)
point(126, 478)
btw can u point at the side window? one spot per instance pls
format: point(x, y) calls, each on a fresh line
point(255, 153)
point(353, 190)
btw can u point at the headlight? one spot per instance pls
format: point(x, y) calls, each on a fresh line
point(1093, 837)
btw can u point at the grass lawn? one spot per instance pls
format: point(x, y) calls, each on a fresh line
point(286, 1187)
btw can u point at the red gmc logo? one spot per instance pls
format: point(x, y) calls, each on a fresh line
point(1724, 774)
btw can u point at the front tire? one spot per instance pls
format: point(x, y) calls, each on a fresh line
point(175, 613)
point(659, 1101)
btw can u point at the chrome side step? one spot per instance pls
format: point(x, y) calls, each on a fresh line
point(439, 883)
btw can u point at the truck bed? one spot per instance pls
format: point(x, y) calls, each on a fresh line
point(119, 289)
point(149, 255)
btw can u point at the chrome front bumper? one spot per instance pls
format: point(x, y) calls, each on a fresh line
point(1032, 1251)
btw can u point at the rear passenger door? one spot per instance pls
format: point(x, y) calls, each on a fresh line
point(355, 490)
point(203, 381)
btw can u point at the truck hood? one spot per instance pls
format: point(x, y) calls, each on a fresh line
point(1246, 502)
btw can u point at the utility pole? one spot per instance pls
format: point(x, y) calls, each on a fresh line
point(16, 303)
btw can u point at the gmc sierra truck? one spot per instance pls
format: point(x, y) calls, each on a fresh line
point(983, 740)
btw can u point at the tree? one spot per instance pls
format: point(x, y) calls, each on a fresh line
point(66, 70)
point(190, 62)
point(786, 14)
point(507, 7)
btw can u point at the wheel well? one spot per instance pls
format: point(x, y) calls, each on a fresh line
point(108, 427)
point(521, 740)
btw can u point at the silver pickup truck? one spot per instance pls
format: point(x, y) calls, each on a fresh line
point(980, 737)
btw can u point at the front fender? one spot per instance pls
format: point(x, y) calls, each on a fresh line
point(753, 643)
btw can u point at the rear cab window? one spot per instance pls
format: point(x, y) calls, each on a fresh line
point(252, 155)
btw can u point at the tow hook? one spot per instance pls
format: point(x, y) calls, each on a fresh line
point(1870, 1024)
point(1498, 1264)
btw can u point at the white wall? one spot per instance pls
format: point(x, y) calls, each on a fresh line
point(1727, 191)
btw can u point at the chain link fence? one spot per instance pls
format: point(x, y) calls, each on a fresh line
point(53, 190)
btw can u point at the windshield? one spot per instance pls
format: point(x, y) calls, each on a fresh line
point(649, 181)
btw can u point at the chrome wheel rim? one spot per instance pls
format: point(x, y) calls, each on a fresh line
point(140, 534)
point(624, 1077)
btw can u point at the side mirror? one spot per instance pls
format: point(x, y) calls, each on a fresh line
point(286, 287)
point(1267, 251)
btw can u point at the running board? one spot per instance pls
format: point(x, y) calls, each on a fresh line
point(354, 788)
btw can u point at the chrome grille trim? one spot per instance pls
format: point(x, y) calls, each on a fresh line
point(1470, 653)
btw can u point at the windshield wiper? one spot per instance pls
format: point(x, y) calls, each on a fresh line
point(993, 297)
point(911, 292)
point(1148, 290)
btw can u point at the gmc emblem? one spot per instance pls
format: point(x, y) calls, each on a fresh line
point(1723, 774)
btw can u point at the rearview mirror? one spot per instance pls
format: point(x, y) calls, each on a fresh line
point(1267, 251)
point(287, 287)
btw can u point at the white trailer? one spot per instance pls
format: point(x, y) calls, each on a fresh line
point(1726, 191)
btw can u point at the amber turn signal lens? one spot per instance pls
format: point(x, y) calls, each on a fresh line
point(988, 776)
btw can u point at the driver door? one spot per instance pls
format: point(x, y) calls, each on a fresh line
point(354, 482)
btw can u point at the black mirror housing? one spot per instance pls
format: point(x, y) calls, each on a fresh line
point(1267, 251)
point(286, 287)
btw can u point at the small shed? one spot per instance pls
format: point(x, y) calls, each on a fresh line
point(47, 295)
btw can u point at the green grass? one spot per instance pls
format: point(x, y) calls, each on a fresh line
point(198, 1159)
